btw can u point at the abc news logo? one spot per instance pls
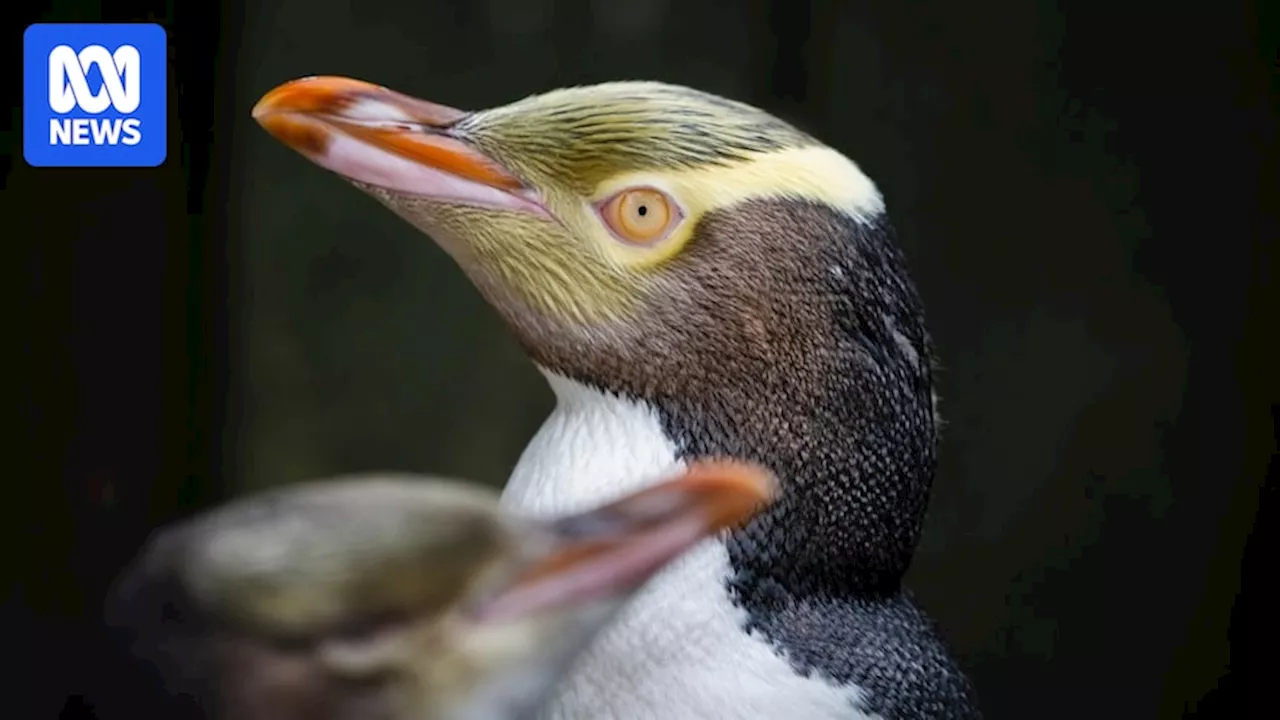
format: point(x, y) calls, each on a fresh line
point(69, 89)
point(94, 95)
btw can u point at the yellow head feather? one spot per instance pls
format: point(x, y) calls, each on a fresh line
point(579, 146)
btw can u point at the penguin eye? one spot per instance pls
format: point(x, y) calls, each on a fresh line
point(640, 215)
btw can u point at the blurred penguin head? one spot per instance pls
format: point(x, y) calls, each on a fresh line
point(402, 597)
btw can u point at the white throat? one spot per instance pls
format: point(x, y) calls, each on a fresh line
point(594, 447)
point(678, 651)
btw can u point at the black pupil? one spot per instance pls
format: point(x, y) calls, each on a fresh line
point(643, 210)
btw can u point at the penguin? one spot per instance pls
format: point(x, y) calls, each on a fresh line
point(399, 596)
point(695, 277)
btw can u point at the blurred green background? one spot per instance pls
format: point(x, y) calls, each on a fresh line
point(1084, 193)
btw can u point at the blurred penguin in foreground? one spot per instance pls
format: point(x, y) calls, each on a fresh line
point(402, 597)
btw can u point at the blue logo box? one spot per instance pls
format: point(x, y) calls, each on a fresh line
point(93, 95)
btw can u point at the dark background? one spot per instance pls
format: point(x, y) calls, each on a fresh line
point(1086, 192)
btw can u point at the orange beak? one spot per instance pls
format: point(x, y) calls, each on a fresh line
point(376, 136)
point(608, 552)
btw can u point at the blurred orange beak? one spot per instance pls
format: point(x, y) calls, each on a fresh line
point(608, 552)
point(375, 136)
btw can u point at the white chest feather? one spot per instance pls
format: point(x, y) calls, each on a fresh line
point(678, 651)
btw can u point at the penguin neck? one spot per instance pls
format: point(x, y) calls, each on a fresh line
point(855, 485)
point(595, 446)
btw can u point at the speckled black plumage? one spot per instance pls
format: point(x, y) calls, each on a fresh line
point(792, 335)
point(873, 457)
point(886, 646)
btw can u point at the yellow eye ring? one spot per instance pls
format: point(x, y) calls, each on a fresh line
point(641, 216)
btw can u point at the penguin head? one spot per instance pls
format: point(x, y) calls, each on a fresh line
point(688, 251)
point(604, 214)
point(400, 597)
